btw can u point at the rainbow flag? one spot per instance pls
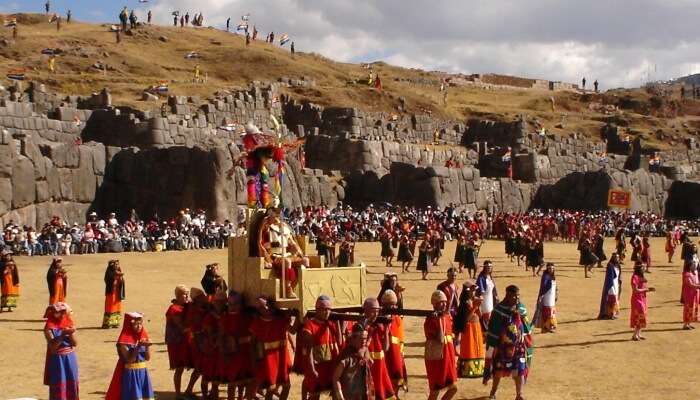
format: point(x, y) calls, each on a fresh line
point(284, 39)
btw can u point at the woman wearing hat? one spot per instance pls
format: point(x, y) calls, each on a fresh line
point(440, 354)
point(61, 369)
point(131, 380)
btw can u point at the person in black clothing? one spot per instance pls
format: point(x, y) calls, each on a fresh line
point(212, 282)
point(228, 24)
point(68, 16)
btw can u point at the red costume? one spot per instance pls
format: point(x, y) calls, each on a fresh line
point(394, 357)
point(442, 373)
point(237, 364)
point(325, 339)
point(383, 389)
point(271, 337)
point(176, 338)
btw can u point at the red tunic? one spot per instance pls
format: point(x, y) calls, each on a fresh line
point(211, 362)
point(194, 322)
point(237, 365)
point(441, 373)
point(177, 340)
point(274, 363)
point(326, 348)
point(394, 357)
point(383, 389)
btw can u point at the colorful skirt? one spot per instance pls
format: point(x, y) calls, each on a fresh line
point(548, 320)
point(62, 376)
point(471, 352)
point(113, 311)
point(9, 297)
point(690, 312)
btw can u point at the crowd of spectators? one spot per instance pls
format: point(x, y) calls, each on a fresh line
point(194, 230)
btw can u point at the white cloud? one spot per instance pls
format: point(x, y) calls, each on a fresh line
point(616, 42)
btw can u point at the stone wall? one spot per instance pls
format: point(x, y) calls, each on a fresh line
point(352, 123)
point(333, 153)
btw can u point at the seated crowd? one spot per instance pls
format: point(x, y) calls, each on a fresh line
point(194, 230)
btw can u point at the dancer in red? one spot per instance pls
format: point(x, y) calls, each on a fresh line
point(395, 362)
point(440, 356)
point(236, 347)
point(269, 330)
point(177, 341)
point(378, 345)
point(321, 341)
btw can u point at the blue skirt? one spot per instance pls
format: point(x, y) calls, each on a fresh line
point(62, 376)
point(136, 384)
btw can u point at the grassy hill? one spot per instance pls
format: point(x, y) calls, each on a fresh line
point(151, 54)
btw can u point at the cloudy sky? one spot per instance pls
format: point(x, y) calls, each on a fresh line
point(618, 42)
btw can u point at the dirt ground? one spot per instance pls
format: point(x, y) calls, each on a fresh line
point(585, 359)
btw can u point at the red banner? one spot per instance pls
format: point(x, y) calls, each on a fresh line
point(619, 198)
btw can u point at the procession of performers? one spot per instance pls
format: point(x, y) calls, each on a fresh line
point(248, 349)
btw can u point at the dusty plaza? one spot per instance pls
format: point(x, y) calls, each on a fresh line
point(585, 359)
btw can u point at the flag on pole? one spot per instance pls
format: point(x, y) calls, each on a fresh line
point(16, 74)
point(284, 39)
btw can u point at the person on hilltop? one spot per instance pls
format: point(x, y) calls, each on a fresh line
point(583, 83)
point(132, 19)
point(47, 6)
point(68, 16)
point(595, 85)
point(149, 17)
point(508, 344)
point(123, 18)
point(228, 24)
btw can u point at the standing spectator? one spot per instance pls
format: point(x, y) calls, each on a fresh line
point(595, 85)
point(149, 17)
point(583, 83)
point(47, 6)
point(132, 20)
point(123, 17)
point(182, 22)
point(247, 39)
point(272, 37)
point(292, 49)
point(187, 18)
point(68, 17)
point(174, 20)
point(228, 24)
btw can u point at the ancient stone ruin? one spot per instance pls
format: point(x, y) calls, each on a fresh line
point(68, 155)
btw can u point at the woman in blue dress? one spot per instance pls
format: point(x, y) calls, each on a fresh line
point(131, 380)
point(61, 369)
